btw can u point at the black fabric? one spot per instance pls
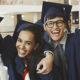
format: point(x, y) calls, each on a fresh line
point(1, 18)
point(63, 62)
point(19, 25)
point(8, 55)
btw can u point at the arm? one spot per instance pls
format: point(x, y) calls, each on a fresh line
point(47, 64)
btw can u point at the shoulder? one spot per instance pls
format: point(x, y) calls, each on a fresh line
point(9, 47)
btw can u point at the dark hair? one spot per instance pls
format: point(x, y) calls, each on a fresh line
point(36, 55)
point(35, 29)
point(54, 16)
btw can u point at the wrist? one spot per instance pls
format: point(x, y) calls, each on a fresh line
point(49, 56)
point(48, 52)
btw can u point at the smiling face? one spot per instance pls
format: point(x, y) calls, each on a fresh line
point(56, 32)
point(25, 43)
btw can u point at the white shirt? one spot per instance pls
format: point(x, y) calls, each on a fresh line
point(27, 77)
point(3, 71)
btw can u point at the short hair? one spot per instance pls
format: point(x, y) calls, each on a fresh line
point(52, 16)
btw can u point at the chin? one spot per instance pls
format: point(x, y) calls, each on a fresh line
point(56, 39)
point(21, 56)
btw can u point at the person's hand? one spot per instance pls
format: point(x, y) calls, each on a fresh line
point(46, 63)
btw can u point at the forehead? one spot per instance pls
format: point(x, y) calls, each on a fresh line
point(26, 35)
point(55, 19)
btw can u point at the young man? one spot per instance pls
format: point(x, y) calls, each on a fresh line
point(66, 64)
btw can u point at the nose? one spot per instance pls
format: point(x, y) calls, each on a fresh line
point(54, 26)
point(22, 46)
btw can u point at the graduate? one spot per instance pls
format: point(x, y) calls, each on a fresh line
point(66, 62)
point(30, 46)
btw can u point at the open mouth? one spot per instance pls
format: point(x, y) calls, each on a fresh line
point(55, 32)
point(21, 51)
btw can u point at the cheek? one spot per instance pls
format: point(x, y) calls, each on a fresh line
point(49, 32)
point(62, 32)
point(17, 45)
point(29, 49)
point(64, 26)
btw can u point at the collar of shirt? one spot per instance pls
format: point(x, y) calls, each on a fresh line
point(63, 41)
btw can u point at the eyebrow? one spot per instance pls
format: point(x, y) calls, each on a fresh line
point(55, 21)
point(28, 41)
point(25, 41)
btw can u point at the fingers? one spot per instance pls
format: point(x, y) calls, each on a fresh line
point(41, 70)
point(39, 65)
point(45, 66)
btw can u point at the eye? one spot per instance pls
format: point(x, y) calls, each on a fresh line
point(50, 23)
point(59, 23)
point(19, 40)
point(28, 43)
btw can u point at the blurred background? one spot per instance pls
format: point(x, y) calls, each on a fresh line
point(30, 10)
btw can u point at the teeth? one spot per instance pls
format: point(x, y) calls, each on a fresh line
point(55, 32)
point(21, 51)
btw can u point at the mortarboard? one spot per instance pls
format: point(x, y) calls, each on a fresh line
point(1, 18)
point(40, 23)
point(55, 8)
point(20, 24)
point(50, 8)
point(23, 24)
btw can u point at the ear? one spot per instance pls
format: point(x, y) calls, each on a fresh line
point(44, 26)
point(36, 46)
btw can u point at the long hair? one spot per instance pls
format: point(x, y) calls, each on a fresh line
point(36, 55)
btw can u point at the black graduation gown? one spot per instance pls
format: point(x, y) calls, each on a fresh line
point(8, 56)
point(73, 55)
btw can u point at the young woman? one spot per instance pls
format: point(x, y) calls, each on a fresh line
point(30, 46)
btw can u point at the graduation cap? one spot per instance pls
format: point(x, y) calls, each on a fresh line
point(46, 36)
point(1, 18)
point(50, 8)
point(20, 24)
point(39, 22)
